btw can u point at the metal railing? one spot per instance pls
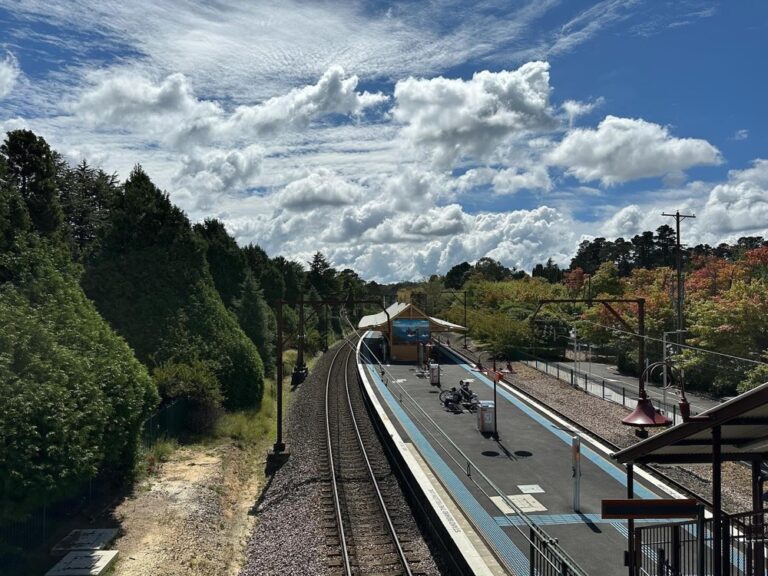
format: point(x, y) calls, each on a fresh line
point(675, 549)
point(597, 386)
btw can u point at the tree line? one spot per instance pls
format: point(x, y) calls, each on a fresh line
point(725, 304)
point(114, 303)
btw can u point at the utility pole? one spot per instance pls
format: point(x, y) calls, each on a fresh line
point(680, 323)
point(464, 292)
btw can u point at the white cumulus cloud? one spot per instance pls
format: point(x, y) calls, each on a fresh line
point(511, 180)
point(739, 205)
point(573, 108)
point(206, 175)
point(629, 221)
point(622, 149)
point(454, 118)
point(9, 73)
point(318, 190)
point(127, 98)
point(437, 221)
point(171, 110)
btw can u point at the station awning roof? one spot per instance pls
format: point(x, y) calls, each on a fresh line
point(743, 423)
point(380, 319)
point(399, 309)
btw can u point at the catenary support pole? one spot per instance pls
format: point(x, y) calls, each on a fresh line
point(680, 292)
point(279, 444)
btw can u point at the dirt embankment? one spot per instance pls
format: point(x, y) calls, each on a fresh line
point(192, 516)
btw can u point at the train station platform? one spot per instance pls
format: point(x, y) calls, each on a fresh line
point(467, 475)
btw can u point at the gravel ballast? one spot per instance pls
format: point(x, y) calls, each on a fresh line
point(288, 537)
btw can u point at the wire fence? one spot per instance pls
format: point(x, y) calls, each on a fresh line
point(594, 385)
point(36, 528)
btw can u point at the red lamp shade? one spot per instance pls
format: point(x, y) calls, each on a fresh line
point(645, 416)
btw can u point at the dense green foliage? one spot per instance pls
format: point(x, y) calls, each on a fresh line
point(226, 261)
point(194, 306)
point(74, 394)
point(86, 196)
point(30, 167)
point(151, 280)
point(197, 384)
point(257, 321)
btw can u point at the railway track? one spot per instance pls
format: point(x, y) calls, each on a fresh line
point(367, 530)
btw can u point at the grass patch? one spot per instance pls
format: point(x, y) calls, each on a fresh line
point(150, 459)
point(251, 428)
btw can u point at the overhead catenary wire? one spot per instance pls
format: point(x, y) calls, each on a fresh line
point(687, 346)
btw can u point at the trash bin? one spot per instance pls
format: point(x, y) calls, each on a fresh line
point(485, 416)
point(434, 374)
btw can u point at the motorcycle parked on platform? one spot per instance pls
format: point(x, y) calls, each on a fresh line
point(456, 399)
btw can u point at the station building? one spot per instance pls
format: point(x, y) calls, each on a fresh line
point(402, 331)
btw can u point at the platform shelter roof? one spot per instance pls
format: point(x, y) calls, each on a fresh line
point(402, 310)
point(743, 423)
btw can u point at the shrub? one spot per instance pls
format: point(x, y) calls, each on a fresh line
point(196, 383)
point(755, 377)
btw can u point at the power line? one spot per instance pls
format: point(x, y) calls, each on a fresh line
point(695, 348)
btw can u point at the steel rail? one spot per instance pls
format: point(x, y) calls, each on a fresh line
point(350, 346)
point(334, 485)
point(374, 482)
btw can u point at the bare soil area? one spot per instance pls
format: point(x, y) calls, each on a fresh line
point(191, 517)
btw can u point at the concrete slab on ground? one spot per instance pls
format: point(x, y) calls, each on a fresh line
point(94, 539)
point(84, 563)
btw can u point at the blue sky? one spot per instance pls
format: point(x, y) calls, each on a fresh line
point(401, 138)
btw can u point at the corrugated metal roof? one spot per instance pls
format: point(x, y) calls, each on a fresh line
point(380, 319)
point(447, 325)
point(743, 425)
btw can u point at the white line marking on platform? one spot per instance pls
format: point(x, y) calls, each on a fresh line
point(530, 489)
point(525, 502)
